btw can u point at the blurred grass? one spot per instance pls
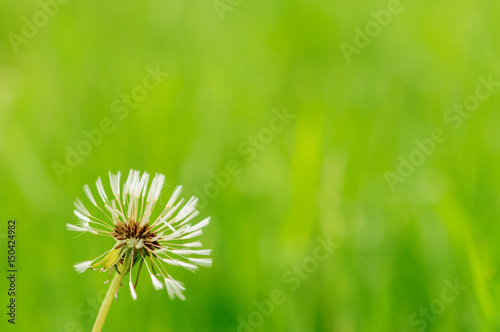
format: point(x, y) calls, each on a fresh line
point(323, 175)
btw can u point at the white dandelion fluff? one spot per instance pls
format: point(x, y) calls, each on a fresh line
point(126, 216)
point(83, 266)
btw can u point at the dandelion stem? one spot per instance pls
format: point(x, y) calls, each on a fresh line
point(113, 288)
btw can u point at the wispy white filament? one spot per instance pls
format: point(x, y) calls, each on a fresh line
point(87, 191)
point(205, 262)
point(174, 288)
point(83, 266)
point(157, 284)
point(132, 290)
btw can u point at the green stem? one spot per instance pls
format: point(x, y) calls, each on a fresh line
point(113, 288)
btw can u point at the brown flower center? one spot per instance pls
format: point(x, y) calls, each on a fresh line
point(133, 232)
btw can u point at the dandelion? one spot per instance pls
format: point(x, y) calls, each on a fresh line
point(140, 236)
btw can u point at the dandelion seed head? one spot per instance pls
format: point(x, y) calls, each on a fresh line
point(158, 240)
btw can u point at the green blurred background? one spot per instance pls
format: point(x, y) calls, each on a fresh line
point(323, 175)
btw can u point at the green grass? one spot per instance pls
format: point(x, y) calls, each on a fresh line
point(322, 175)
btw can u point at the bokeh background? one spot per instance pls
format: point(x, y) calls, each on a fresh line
point(322, 176)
